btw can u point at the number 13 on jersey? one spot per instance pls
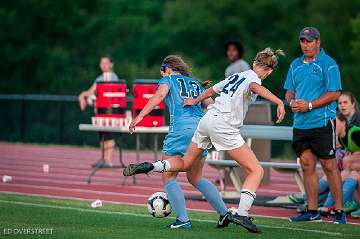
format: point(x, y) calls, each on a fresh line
point(188, 89)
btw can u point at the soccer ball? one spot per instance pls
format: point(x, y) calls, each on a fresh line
point(159, 205)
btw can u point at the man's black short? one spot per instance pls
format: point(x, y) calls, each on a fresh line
point(106, 135)
point(321, 141)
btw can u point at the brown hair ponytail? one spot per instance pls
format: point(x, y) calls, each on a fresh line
point(177, 64)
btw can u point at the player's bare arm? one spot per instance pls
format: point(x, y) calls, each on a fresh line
point(206, 102)
point(265, 93)
point(205, 95)
point(302, 106)
point(153, 101)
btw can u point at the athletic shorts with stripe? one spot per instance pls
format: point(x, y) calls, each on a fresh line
point(213, 130)
point(321, 141)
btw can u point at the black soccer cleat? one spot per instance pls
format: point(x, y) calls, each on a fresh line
point(224, 221)
point(245, 222)
point(138, 168)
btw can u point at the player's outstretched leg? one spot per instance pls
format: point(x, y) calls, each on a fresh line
point(177, 202)
point(138, 168)
point(159, 166)
point(208, 189)
point(247, 159)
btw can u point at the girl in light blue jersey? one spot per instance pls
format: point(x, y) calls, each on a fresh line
point(175, 86)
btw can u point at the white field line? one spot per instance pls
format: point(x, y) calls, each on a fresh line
point(154, 187)
point(147, 216)
point(79, 190)
point(134, 204)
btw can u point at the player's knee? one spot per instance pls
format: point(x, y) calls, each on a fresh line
point(193, 180)
point(354, 167)
point(354, 175)
point(346, 162)
point(308, 167)
point(260, 171)
point(257, 170)
point(329, 167)
point(187, 166)
point(168, 176)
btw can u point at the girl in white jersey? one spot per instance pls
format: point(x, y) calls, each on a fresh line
point(220, 128)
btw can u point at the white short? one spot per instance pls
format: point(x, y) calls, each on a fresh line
point(214, 130)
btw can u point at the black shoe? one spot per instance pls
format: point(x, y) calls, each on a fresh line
point(138, 168)
point(224, 221)
point(245, 222)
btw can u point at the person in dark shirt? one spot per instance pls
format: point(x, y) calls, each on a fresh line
point(349, 107)
point(108, 75)
point(234, 52)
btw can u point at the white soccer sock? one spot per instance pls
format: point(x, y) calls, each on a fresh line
point(161, 166)
point(247, 198)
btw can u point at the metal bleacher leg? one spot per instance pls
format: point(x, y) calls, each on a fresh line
point(137, 136)
point(156, 147)
point(222, 186)
point(137, 153)
point(93, 171)
point(120, 154)
point(122, 165)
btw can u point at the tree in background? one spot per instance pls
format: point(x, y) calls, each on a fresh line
point(53, 46)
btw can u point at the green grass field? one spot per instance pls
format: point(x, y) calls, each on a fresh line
point(76, 219)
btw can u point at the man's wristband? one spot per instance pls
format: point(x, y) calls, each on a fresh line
point(310, 106)
point(291, 102)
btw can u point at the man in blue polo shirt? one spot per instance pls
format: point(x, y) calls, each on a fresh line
point(313, 84)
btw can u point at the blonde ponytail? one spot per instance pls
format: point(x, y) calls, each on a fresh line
point(268, 57)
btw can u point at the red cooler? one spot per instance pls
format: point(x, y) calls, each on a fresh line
point(142, 91)
point(111, 99)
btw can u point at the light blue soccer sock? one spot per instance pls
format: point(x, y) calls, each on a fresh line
point(212, 195)
point(322, 197)
point(323, 186)
point(348, 188)
point(329, 200)
point(176, 199)
point(323, 190)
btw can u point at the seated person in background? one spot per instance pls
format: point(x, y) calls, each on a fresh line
point(106, 66)
point(349, 137)
point(348, 106)
point(234, 51)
